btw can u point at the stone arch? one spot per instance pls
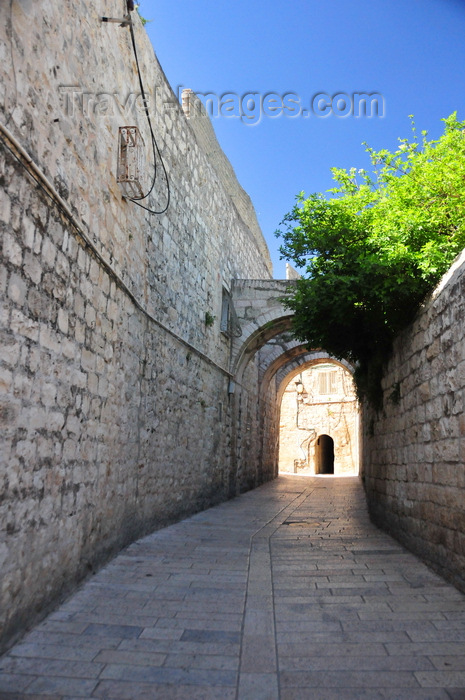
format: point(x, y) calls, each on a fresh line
point(304, 361)
point(262, 318)
point(257, 335)
point(263, 357)
point(261, 315)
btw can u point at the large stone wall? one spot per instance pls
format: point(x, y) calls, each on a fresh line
point(114, 406)
point(414, 449)
point(206, 138)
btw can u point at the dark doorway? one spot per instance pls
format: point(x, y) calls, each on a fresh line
point(325, 455)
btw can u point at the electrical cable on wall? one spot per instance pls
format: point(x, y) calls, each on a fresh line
point(155, 149)
point(126, 21)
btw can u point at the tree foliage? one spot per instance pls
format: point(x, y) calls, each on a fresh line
point(376, 247)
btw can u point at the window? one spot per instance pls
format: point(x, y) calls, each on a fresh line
point(225, 323)
point(229, 324)
point(327, 382)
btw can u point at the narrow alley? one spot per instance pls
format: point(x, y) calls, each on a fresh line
point(286, 592)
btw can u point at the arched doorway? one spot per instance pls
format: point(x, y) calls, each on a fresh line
point(325, 455)
point(317, 400)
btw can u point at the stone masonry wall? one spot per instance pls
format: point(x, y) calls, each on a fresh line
point(206, 138)
point(414, 449)
point(114, 405)
point(306, 414)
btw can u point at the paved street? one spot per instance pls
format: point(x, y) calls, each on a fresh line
point(286, 592)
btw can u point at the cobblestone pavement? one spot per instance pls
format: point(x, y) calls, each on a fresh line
point(286, 592)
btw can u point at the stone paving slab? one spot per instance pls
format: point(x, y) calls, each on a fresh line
point(285, 593)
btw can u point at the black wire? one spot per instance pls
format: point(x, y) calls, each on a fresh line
point(155, 149)
point(147, 114)
point(134, 201)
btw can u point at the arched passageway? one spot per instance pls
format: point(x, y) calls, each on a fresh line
point(317, 398)
point(325, 455)
point(265, 358)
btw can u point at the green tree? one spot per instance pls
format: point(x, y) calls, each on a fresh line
point(375, 248)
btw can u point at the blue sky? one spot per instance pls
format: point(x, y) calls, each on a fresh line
point(412, 52)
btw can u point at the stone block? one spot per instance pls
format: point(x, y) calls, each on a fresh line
point(50, 339)
point(6, 380)
point(28, 232)
point(49, 253)
point(94, 272)
point(40, 305)
point(34, 418)
point(12, 250)
point(55, 421)
point(68, 348)
point(26, 449)
point(17, 289)
point(446, 450)
point(63, 323)
point(78, 378)
point(22, 386)
point(62, 266)
point(5, 207)
point(24, 326)
point(32, 267)
point(433, 349)
point(48, 394)
point(38, 238)
point(34, 359)
point(90, 315)
point(88, 360)
point(82, 259)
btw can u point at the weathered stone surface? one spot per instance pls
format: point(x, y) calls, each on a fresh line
point(311, 412)
point(115, 410)
point(414, 448)
point(286, 592)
